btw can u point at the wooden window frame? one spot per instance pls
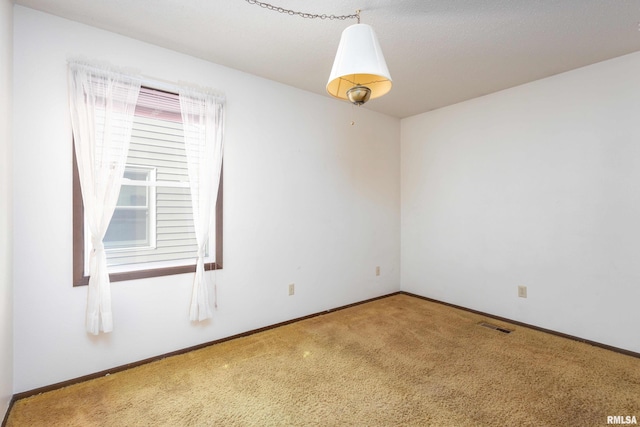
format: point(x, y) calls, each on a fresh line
point(80, 279)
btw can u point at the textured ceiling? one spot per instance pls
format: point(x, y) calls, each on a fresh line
point(439, 52)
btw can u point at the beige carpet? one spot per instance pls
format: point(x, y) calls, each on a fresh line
point(398, 361)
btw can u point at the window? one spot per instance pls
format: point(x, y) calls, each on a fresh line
point(133, 224)
point(151, 232)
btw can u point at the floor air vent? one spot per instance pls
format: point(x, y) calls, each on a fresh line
point(495, 327)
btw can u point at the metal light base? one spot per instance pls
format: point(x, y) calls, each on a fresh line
point(358, 95)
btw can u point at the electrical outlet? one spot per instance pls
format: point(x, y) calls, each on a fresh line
point(522, 291)
point(377, 270)
point(292, 289)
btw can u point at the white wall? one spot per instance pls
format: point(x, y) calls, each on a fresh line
point(6, 298)
point(538, 185)
point(309, 200)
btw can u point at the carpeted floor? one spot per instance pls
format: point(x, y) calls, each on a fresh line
point(397, 361)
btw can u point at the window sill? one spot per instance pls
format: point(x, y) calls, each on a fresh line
point(144, 274)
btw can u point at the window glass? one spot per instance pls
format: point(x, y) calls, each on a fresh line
point(128, 228)
point(132, 225)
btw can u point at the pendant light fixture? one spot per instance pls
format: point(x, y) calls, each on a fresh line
point(359, 71)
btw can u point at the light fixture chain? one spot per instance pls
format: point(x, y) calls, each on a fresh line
point(304, 14)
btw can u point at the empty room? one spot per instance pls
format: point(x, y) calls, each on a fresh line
point(373, 213)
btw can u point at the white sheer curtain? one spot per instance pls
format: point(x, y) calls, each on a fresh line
point(203, 121)
point(102, 104)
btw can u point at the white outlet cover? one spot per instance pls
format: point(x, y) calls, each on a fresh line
point(522, 291)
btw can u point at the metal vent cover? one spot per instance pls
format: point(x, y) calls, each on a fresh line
point(495, 327)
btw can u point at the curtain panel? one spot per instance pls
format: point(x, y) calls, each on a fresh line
point(102, 104)
point(203, 121)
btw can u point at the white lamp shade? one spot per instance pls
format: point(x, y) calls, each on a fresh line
point(359, 61)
